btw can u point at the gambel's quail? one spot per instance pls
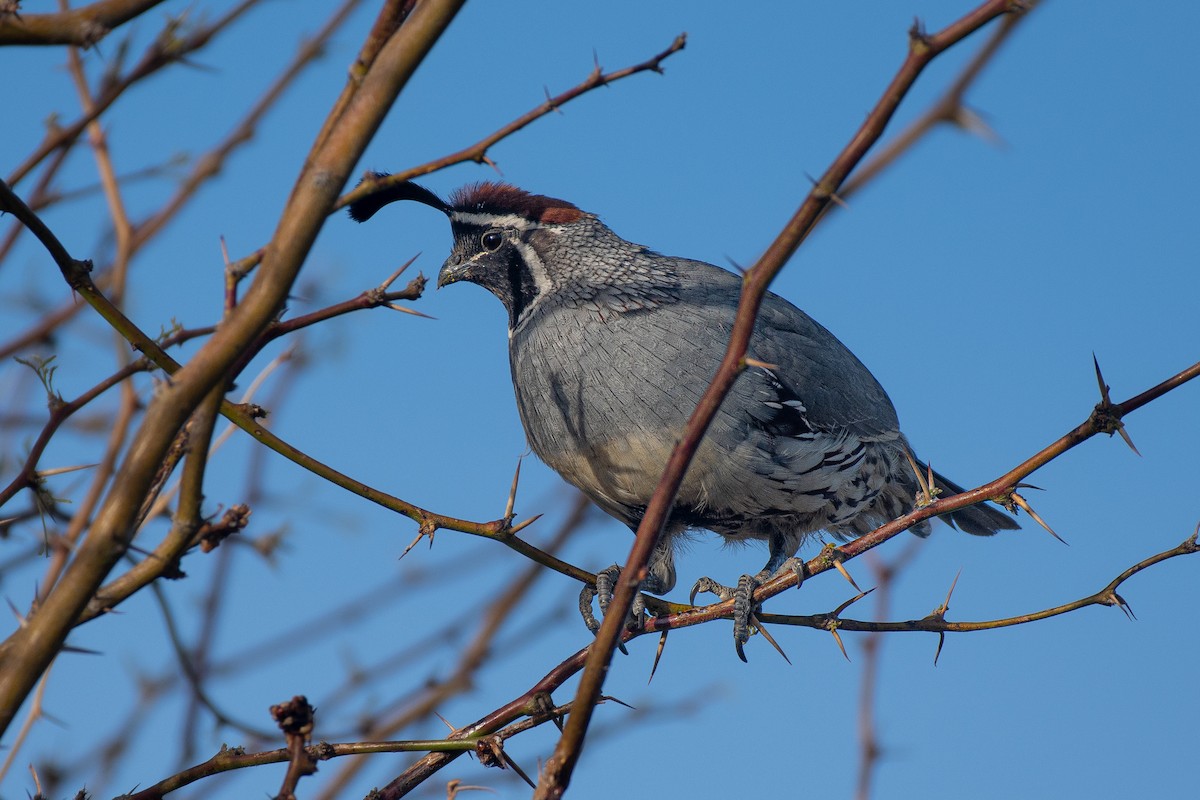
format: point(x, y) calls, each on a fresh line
point(611, 346)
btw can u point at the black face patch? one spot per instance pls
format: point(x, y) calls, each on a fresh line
point(501, 270)
point(521, 286)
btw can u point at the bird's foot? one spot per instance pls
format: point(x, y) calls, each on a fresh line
point(603, 593)
point(742, 596)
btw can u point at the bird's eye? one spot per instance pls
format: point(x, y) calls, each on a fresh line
point(491, 240)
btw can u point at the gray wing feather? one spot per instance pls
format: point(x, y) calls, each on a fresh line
point(836, 390)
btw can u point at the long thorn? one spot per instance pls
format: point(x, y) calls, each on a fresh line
point(404, 310)
point(1100, 380)
point(766, 635)
point(754, 362)
point(1036, 517)
point(662, 644)
point(941, 610)
point(47, 473)
point(838, 566)
point(512, 493)
point(383, 287)
point(837, 638)
point(912, 462)
point(604, 698)
point(522, 525)
point(513, 766)
point(837, 611)
point(1125, 435)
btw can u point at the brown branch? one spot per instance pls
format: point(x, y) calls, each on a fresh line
point(923, 48)
point(232, 758)
point(245, 416)
point(937, 622)
point(387, 22)
point(533, 702)
point(27, 652)
point(82, 27)
point(478, 151)
point(471, 659)
point(40, 197)
point(296, 720)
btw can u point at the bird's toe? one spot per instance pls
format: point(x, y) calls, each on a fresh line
point(602, 593)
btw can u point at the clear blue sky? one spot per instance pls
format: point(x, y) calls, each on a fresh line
point(975, 279)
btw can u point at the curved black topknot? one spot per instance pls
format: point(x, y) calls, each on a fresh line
point(362, 210)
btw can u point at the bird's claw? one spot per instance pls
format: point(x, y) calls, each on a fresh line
point(742, 595)
point(603, 593)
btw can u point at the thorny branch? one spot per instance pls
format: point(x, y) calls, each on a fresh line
point(1100, 421)
point(478, 152)
point(535, 706)
point(684, 616)
point(949, 109)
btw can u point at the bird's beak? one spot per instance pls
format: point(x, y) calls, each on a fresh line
point(457, 267)
point(452, 272)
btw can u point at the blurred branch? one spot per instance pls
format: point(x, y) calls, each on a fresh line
point(433, 696)
point(949, 109)
point(35, 712)
point(29, 650)
point(210, 164)
point(923, 48)
point(533, 701)
point(387, 22)
point(82, 27)
point(60, 412)
point(472, 657)
point(166, 49)
point(244, 416)
point(885, 573)
point(187, 669)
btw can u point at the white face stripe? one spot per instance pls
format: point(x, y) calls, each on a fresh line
point(483, 220)
point(536, 269)
point(514, 225)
